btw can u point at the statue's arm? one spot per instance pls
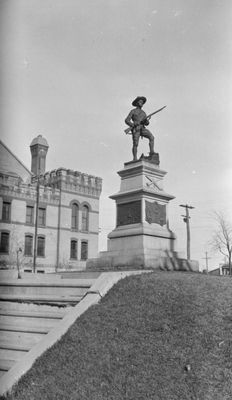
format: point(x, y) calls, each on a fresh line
point(146, 121)
point(128, 119)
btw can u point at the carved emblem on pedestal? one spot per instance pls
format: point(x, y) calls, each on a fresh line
point(155, 213)
point(153, 183)
point(129, 213)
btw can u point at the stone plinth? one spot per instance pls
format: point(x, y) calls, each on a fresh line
point(141, 238)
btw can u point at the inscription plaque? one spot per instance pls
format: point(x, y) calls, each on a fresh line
point(155, 213)
point(129, 213)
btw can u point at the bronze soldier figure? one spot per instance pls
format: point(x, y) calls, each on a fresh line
point(137, 120)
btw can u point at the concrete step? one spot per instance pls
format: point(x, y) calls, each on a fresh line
point(12, 355)
point(5, 365)
point(33, 310)
point(50, 291)
point(37, 314)
point(27, 324)
point(44, 291)
point(19, 340)
point(43, 299)
point(79, 274)
point(58, 283)
point(62, 287)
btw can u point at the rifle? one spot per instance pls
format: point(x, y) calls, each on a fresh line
point(128, 131)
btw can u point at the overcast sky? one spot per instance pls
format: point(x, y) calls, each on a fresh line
point(71, 68)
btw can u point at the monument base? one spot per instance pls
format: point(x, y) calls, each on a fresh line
point(140, 246)
point(142, 238)
point(166, 261)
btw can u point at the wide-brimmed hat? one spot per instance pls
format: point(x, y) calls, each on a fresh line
point(135, 102)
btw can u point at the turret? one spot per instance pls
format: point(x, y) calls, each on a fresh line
point(39, 148)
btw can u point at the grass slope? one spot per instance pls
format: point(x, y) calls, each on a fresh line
point(159, 336)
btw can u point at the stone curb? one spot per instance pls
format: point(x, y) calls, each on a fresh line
point(98, 290)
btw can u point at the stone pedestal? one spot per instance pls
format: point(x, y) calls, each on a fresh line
point(142, 237)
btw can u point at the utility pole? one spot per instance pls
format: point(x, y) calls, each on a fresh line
point(37, 209)
point(36, 224)
point(186, 220)
point(19, 250)
point(206, 258)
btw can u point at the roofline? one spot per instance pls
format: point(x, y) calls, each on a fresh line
point(16, 157)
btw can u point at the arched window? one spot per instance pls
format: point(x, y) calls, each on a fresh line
point(4, 242)
point(85, 219)
point(6, 211)
point(75, 212)
point(29, 214)
point(41, 246)
point(84, 250)
point(42, 216)
point(73, 249)
point(28, 245)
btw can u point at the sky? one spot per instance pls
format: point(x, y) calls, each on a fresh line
point(70, 70)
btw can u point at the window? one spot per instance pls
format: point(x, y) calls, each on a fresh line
point(4, 244)
point(84, 250)
point(41, 246)
point(30, 215)
point(42, 216)
point(6, 208)
point(75, 212)
point(85, 218)
point(73, 249)
point(28, 245)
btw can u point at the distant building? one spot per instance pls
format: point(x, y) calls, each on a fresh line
point(68, 212)
point(215, 271)
point(223, 269)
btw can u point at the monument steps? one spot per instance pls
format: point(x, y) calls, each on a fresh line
point(38, 314)
point(19, 350)
point(5, 365)
point(12, 355)
point(63, 291)
point(9, 357)
point(42, 299)
point(31, 307)
point(26, 324)
point(22, 341)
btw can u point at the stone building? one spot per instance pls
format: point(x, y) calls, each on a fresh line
point(60, 208)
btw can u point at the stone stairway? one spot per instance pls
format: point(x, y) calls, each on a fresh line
point(30, 307)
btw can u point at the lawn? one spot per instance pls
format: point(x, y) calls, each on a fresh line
point(159, 336)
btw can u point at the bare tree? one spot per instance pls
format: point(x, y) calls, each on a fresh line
point(222, 237)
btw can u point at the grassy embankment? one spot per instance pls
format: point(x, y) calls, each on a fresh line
point(162, 336)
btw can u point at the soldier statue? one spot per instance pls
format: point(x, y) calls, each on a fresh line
point(137, 120)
